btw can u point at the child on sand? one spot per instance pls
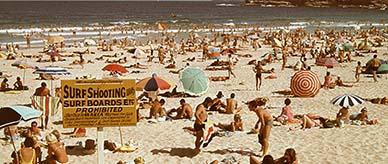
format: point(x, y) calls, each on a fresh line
point(287, 116)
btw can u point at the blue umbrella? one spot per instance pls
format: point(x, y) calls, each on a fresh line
point(12, 115)
point(194, 81)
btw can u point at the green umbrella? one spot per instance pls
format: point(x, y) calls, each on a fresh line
point(194, 81)
point(383, 69)
point(347, 47)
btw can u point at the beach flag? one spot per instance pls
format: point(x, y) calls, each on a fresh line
point(162, 26)
point(49, 105)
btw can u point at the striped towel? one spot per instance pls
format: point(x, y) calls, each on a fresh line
point(47, 104)
point(208, 131)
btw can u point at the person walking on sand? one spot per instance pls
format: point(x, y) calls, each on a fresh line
point(200, 118)
point(28, 40)
point(358, 71)
point(258, 70)
point(375, 64)
point(265, 121)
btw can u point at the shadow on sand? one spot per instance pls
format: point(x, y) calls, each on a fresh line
point(228, 151)
point(180, 152)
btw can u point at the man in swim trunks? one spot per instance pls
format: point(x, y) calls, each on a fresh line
point(200, 117)
point(265, 121)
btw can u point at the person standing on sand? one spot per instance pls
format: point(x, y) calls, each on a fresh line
point(258, 70)
point(358, 71)
point(230, 66)
point(265, 121)
point(200, 118)
point(42, 90)
point(28, 40)
point(375, 64)
point(284, 58)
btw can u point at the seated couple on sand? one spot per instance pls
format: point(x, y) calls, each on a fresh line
point(157, 111)
point(231, 106)
point(184, 111)
point(344, 117)
point(18, 85)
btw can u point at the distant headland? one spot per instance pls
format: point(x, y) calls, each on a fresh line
point(367, 4)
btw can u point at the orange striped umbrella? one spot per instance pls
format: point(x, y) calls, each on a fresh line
point(153, 83)
point(305, 84)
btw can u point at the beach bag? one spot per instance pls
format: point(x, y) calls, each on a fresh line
point(90, 144)
point(109, 145)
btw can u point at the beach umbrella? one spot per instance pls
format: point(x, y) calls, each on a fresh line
point(214, 53)
point(194, 81)
point(305, 84)
point(139, 52)
point(12, 115)
point(115, 68)
point(347, 100)
point(52, 70)
point(90, 42)
point(327, 62)
point(347, 47)
point(153, 83)
point(383, 69)
point(23, 64)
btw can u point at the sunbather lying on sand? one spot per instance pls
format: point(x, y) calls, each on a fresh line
point(307, 121)
point(235, 125)
point(121, 60)
point(171, 66)
point(340, 83)
point(219, 78)
point(138, 66)
point(363, 117)
point(383, 101)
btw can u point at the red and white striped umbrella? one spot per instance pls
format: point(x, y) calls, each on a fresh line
point(305, 84)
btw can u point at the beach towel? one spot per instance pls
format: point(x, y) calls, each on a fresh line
point(208, 131)
point(47, 104)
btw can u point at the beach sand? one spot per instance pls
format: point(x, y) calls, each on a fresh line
point(166, 142)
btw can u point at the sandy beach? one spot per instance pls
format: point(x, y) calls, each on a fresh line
point(166, 142)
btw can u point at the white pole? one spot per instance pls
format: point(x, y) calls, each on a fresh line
point(100, 145)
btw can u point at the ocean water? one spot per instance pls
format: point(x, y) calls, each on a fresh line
point(16, 18)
